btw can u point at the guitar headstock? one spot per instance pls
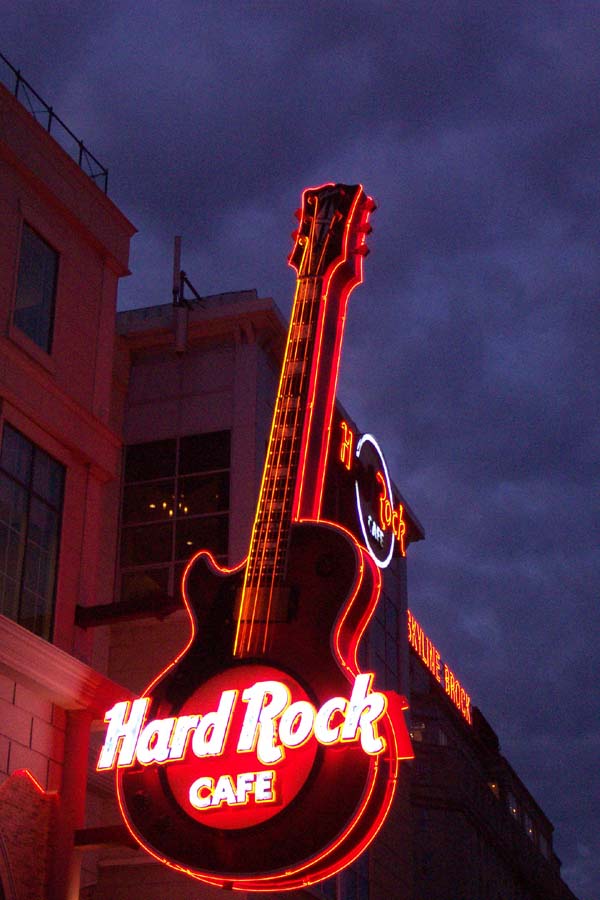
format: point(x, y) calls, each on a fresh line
point(332, 231)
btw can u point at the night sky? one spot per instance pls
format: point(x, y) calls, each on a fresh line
point(472, 347)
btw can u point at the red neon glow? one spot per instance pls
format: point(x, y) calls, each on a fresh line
point(390, 517)
point(371, 532)
point(337, 283)
point(290, 772)
point(430, 655)
point(346, 848)
point(329, 265)
point(346, 445)
point(275, 733)
point(247, 775)
point(271, 722)
point(25, 773)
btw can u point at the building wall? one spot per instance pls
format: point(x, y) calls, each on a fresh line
point(59, 399)
point(466, 841)
point(217, 384)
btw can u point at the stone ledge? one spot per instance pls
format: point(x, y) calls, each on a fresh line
point(56, 675)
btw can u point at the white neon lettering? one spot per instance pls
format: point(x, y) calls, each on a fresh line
point(183, 726)
point(263, 789)
point(364, 710)
point(209, 736)
point(153, 742)
point(382, 563)
point(258, 728)
point(296, 724)
point(224, 792)
point(198, 799)
point(245, 783)
point(324, 733)
point(123, 733)
point(205, 793)
point(271, 723)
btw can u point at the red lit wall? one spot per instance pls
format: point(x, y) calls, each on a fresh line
point(60, 401)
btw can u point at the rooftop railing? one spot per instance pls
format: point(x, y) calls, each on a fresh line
point(45, 115)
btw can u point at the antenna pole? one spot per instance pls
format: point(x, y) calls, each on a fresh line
point(177, 293)
point(180, 308)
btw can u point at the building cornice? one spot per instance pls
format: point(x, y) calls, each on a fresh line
point(58, 676)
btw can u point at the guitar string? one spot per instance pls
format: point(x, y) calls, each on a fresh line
point(318, 268)
point(293, 470)
point(269, 510)
point(293, 452)
point(253, 575)
point(285, 399)
point(290, 437)
point(274, 466)
point(299, 397)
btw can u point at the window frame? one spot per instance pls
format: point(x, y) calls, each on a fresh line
point(174, 565)
point(45, 348)
point(383, 636)
point(33, 495)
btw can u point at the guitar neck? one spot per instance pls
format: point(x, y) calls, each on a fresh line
point(293, 476)
point(278, 504)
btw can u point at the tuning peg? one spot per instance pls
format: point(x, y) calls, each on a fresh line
point(370, 205)
point(298, 214)
point(364, 229)
point(363, 250)
point(295, 234)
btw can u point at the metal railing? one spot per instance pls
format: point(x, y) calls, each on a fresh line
point(45, 115)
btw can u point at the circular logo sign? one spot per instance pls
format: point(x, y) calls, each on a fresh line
point(379, 539)
point(233, 789)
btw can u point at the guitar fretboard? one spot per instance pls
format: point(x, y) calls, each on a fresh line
point(275, 512)
point(327, 254)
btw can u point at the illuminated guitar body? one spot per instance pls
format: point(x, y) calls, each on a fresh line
point(324, 573)
point(265, 760)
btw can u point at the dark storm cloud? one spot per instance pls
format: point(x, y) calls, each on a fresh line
point(472, 347)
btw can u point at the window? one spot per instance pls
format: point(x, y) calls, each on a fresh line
point(428, 733)
point(175, 502)
point(31, 497)
point(440, 737)
point(528, 826)
point(493, 786)
point(544, 845)
point(383, 644)
point(417, 731)
point(36, 289)
point(512, 804)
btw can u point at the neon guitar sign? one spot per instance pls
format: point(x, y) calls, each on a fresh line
point(262, 758)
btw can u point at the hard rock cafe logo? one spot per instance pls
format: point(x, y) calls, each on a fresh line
point(269, 723)
point(380, 517)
